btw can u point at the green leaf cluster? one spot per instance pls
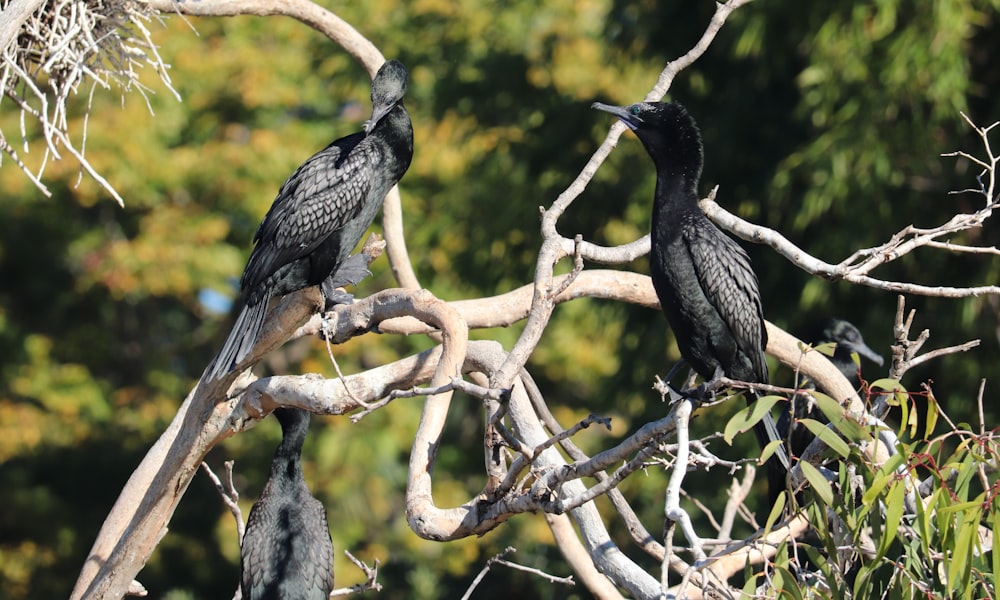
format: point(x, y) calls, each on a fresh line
point(875, 537)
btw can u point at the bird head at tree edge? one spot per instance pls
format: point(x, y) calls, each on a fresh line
point(388, 89)
point(847, 337)
point(649, 115)
point(668, 132)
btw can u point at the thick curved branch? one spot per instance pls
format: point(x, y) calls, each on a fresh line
point(576, 555)
point(506, 309)
point(310, 13)
point(392, 228)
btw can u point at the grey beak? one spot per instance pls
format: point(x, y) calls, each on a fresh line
point(621, 112)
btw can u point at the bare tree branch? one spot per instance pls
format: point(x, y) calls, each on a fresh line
point(61, 45)
point(230, 497)
point(498, 560)
point(857, 267)
point(12, 17)
point(577, 557)
point(309, 13)
point(370, 583)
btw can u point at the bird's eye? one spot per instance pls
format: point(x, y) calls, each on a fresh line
point(635, 110)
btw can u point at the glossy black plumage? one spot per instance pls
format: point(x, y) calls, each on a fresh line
point(848, 340)
point(703, 279)
point(322, 211)
point(287, 551)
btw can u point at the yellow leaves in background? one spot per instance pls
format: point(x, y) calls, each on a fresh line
point(178, 251)
point(48, 403)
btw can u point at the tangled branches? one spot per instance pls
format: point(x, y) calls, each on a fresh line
point(51, 49)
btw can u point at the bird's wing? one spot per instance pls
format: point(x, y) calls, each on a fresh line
point(312, 549)
point(724, 272)
point(258, 553)
point(320, 197)
point(287, 551)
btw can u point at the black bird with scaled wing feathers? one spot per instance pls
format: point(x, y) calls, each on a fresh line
point(287, 551)
point(703, 279)
point(322, 211)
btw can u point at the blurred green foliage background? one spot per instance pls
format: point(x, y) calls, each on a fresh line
point(823, 120)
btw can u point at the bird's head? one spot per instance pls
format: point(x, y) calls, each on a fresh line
point(847, 338)
point(388, 89)
point(667, 130)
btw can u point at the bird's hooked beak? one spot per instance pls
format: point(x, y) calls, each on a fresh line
point(863, 350)
point(627, 114)
point(377, 113)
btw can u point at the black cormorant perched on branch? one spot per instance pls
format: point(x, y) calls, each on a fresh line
point(322, 211)
point(703, 279)
point(287, 551)
point(798, 437)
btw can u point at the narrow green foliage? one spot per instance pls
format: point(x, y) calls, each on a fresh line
point(769, 450)
point(829, 437)
point(966, 472)
point(776, 512)
point(746, 418)
point(967, 538)
point(893, 517)
point(995, 554)
point(934, 552)
point(819, 483)
point(931, 415)
point(841, 420)
point(898, 397)
point(750, 581)
point(784, 580)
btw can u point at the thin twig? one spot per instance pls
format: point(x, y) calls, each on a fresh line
point(60, 47)
point(457, 383)
point(485, 570)
point(498, 560)
point(550, 578)
point(567, 433)
point(340, 374)
point(370, 583)
point(230, 497)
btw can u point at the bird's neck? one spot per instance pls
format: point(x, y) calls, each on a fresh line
point(396, 130)
point(294, 428)
point(675, 198)
point(287, 461)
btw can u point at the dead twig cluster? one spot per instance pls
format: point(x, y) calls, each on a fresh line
point(51, 49)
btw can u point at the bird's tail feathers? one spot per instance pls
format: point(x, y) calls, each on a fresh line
point(767, 432)
point(241, 340)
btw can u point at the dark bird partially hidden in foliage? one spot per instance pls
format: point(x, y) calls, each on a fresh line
point(849, 341)
point(321, 212)
point(703, 279)
point(287, 551)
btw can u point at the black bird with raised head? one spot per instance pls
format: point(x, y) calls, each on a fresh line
point(703, 279)
point(322, 211)
point(287, 551)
